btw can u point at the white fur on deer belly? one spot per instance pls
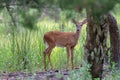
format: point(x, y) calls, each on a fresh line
point(59, 45)
point(46, 44)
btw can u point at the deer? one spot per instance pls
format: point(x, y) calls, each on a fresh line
point(62, 39)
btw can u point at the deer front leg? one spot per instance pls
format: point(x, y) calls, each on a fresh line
point(72, 57)
point(68, 55)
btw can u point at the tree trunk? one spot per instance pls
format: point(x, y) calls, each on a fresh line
point(114, 40)
point(96, 46)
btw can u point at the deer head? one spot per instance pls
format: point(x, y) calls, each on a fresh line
point(79, 24)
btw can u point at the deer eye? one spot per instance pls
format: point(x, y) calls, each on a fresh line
point(76, 25)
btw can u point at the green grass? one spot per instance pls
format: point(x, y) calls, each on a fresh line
point(25, 51)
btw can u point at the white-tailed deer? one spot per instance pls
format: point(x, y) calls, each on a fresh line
point(62, 39)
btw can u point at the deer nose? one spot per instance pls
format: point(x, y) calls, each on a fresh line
point(77, 29)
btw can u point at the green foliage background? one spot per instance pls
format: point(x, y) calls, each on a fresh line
point(21, 48)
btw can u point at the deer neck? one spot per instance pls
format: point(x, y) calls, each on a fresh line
point(77, 34)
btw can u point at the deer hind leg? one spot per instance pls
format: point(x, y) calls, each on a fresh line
point(68, 55)
point(72, 57)
point(48, 52)
point(44, 57)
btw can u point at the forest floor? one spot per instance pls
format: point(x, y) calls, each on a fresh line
point(52, 75)
point(48, 75)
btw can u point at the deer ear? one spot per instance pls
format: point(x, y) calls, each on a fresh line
point(84, 21)
point(74, 21)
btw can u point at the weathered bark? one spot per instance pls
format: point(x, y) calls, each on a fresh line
point(114, 40)
point(96, 46)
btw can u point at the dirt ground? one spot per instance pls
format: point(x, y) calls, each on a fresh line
point(48, 75)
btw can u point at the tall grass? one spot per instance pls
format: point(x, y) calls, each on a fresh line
point(23, 50)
